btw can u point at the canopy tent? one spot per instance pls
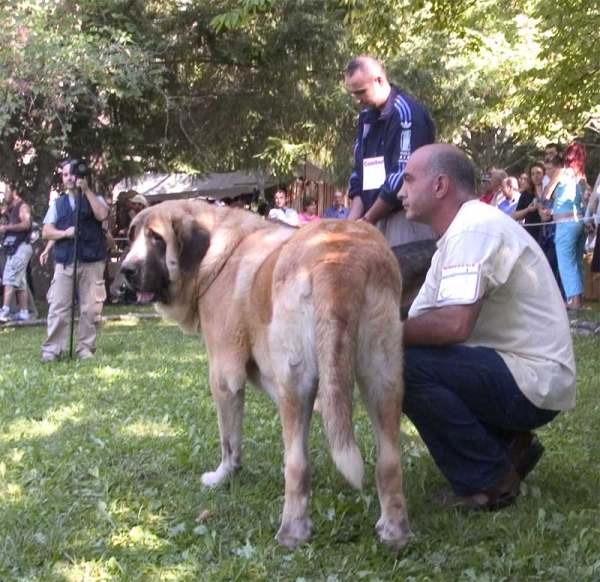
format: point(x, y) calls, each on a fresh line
point(159, 187)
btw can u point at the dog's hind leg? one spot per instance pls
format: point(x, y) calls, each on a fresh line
point(228, 394)
point(296, 411)
point(379, 370)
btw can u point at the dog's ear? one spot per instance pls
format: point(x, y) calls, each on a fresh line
point(193, 243)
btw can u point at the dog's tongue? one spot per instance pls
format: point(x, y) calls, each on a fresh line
point(144, 296)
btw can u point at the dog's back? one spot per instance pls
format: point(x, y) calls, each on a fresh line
point(340, 283)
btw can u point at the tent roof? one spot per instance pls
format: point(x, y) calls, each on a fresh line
point(158, 187)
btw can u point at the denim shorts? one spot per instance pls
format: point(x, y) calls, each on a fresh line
point(15, 271)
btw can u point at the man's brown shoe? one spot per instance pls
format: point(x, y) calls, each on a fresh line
point(497, 497)
point(525, 451)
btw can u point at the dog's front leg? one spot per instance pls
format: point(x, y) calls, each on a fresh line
point(296, 525)
point(229, 398)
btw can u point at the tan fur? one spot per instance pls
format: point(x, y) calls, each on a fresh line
point(293, 311)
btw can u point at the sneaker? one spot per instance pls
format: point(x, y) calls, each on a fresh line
point(4, 315)
point(21, 316)
point(48, 359)
point(85, 355)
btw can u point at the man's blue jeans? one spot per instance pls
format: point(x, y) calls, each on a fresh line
point(467, 408)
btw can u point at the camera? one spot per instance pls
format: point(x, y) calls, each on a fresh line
point(80, 168)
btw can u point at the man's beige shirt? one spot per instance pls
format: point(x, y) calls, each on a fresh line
point(484, 253)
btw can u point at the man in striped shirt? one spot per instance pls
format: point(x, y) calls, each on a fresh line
point(390, 127)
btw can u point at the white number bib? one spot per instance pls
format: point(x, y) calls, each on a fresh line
point(373, 173)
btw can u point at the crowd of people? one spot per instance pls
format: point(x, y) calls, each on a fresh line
point(558, 208)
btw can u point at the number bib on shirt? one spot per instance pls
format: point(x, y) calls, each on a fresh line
point(373, 173)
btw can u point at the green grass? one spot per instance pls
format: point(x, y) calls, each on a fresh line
point(99, 480)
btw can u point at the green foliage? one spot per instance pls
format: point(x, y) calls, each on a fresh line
point(65, 66)
point(99, 480)
point(566, 83)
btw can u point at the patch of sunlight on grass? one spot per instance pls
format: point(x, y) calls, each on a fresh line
point(137, 536)
point(129, 322)
point(17, 455)
point(25, 429)
point(65, 413)
point(11, 492)
point(108, 373)
point(90, 571)
point(149, 429)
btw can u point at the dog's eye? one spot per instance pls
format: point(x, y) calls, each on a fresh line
point(131, 234)
point(156, 238)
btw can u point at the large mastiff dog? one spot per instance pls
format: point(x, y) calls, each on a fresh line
point(295, 312)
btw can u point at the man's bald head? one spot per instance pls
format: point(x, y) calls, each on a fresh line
point(438, 178)
point(453, 162)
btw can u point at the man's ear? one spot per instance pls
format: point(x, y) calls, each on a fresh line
point(441, 185)
point(193, 243)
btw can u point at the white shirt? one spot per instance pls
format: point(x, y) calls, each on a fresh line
point(485, 253)
point(545, 181)
point(287, 215)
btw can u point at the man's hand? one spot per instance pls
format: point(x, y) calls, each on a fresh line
point(70, 232)
point(83, 184)
point(3, 229)
point(44, 255)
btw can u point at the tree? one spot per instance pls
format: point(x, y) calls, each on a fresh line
point(64, 68)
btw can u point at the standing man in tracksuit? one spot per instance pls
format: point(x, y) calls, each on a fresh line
point(59, 226)
point(390, 127)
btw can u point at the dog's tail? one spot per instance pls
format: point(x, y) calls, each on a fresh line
point(337, 313)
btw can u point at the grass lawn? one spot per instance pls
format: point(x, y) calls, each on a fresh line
point(99, 480)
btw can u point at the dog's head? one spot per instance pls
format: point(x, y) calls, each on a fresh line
point(167, 247)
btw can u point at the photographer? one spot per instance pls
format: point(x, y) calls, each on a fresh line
point(59, 226)
point(17, 248)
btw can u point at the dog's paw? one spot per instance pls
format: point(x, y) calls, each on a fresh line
point(214, 478)
point(297, 531)
point(394, 532)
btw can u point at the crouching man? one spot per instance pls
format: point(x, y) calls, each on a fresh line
point(488, 353)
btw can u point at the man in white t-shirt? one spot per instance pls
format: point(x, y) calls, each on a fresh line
point(488, 353)
point(281, 212)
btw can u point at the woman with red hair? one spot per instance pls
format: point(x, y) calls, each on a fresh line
point(567, 213)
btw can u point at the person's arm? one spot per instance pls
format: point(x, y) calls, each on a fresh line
point(50, 232)
point(395, 162)
point(291, 217)
point(46, 252)
point(357, 209)
point(99, 207)
point(520, 213)
point(551, 186)
point(443, 326)
point(379, 210)
point(24, 223)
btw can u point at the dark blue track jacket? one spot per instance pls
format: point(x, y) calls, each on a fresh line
point(402, 126)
